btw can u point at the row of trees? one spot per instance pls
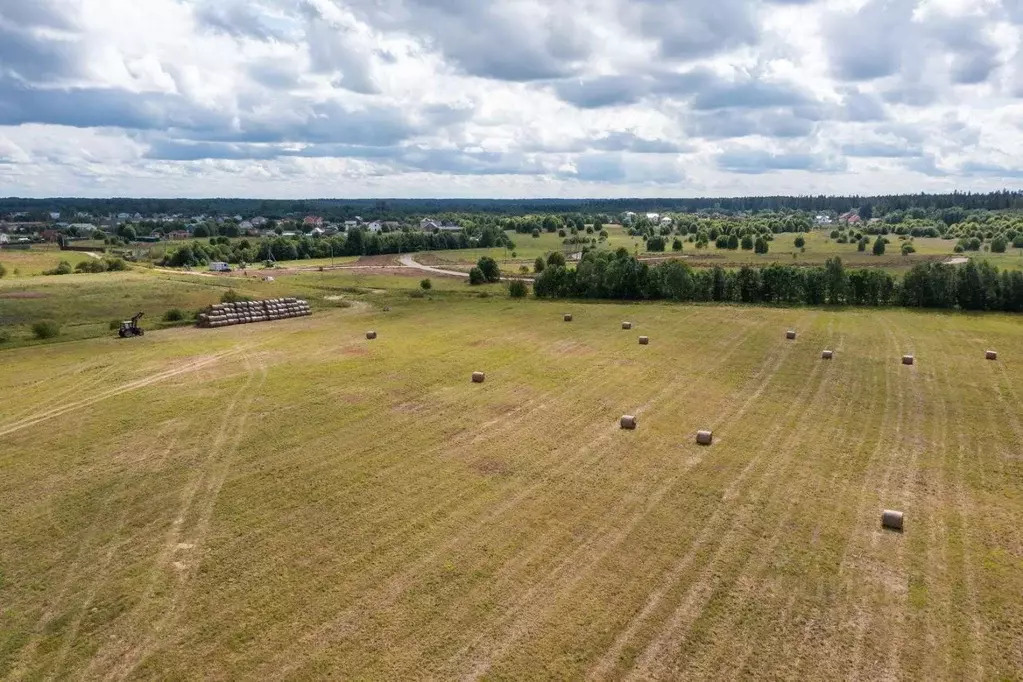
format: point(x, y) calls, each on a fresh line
point(354, 243)
point(387, 209)
point(606, 275)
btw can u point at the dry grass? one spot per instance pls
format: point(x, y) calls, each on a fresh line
point(285, 500)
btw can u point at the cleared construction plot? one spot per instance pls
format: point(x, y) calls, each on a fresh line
point(287, 501)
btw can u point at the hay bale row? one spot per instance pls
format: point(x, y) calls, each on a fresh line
point(246, 312)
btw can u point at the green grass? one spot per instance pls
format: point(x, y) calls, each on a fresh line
point(33, 262)
point(291, 500)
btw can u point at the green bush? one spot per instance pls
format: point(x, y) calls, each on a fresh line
point(476, 276)
point(116, 265)
point(488, 266)
point(539, 265)
point(5, 336)
point(907, 249)
point(556, 259)
point(676, 245)
point(3, 271)
point(655, 244)
point(1017, 242)
point(174, 315)
point(862, 245)
point(760, 246)
point(999, 244)
point(63, 268)
point(518, 289)
point(747, 243)
point(232, 296)
point(46, 329)
point(426, 284)
point(91, 265)
point(879, 246)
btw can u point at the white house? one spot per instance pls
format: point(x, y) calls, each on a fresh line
point(823, 219)
point(317, 231)
point(245, 225)
point(666, 220)
point(428, 224)
point(375, 226)
point(122, 216)
point(628, 217)
point(4, 239)
point(55, 215)
point(653, 217)
point(258, 221)
point(349, 224)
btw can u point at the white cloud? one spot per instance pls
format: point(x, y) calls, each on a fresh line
point(298, 98)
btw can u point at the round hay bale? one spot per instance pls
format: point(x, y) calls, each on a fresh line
point(991, 355)
point(626, 325)
point(371, 335)
point(644, 340)
point(568, 317)
point(891, 519)
point(907, 359)
point(478, 377)
point(704, 437)
point(628, 421)
point(827, 354)
point(790, 334)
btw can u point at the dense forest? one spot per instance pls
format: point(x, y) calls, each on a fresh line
point(344, 209)
point(618, 275)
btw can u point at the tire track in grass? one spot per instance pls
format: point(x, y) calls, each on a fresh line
point(537, 604)
point(724, 660)
point(52, 413)
point(154, 611)
point(606, 665)
point(653, 661)
point(879, 478)
point(966, 515)
point(88, 545)
point(465, 487)
point(54, 396)
point(99, 577)
point(348, 622)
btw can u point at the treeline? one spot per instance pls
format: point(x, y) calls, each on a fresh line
point(618, 275)
point(396, 209)
point(353, 243)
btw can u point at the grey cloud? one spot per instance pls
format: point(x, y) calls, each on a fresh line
point(331, 51)
point(868, 43)
point(751, 94)
point(878, 149)
point(619, 141)
point(37, 14)
point(755, 161)
point(700, 28)
point(729, 124)
point(36, 59)
point(911, 94)
point(235, 20)
point(489, 39)
point(990, 170)
point(859, 106)
point(926, 165)
point(602, 91)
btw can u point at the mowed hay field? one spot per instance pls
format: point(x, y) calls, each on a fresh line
point(291, 500)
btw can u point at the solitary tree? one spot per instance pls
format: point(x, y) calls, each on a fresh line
point(676, 245)
point(800, 241)
point(879, 246)
point(760, 246)
point(426, 284)
point(488, 266)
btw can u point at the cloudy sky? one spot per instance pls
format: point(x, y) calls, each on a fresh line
point(508, 98)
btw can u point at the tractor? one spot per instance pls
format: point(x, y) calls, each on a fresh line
point(131, 327)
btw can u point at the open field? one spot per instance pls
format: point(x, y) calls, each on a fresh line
point(38, 259)
point(782, 250)
point(290, 500)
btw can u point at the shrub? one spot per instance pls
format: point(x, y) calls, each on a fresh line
point(760, 246)
point(91, 265)
point(536, 234)
point(116, 265)
point(174, 315)
point(561, 233)
point(1017, 242)
point(232, 296)
point(488, 266)
point(800, 241)
point(958, 248)
point(426, 284)
point(862, 245)
point(46, 329)
point(518, 289)
point(907, 249)
point(732, 242)
point(63, 268)
point(747, 243)
point(515, 254)
point(539, 265)
point(879, 246)
point(524, 269)
point(476, 276)
point(556, 258)
point(3, 271)
point(999, 244)
point(655, 244)
point(835, 234)
point(676, 245)
point(5, 336)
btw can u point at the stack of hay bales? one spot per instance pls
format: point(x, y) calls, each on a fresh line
point(243, 312)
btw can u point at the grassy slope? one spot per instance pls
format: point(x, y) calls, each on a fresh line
point(38, 259)
point(289, 498)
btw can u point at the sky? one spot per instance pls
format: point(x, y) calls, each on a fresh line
point(509, 98)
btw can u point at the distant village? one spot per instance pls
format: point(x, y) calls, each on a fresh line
point(25, 228)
